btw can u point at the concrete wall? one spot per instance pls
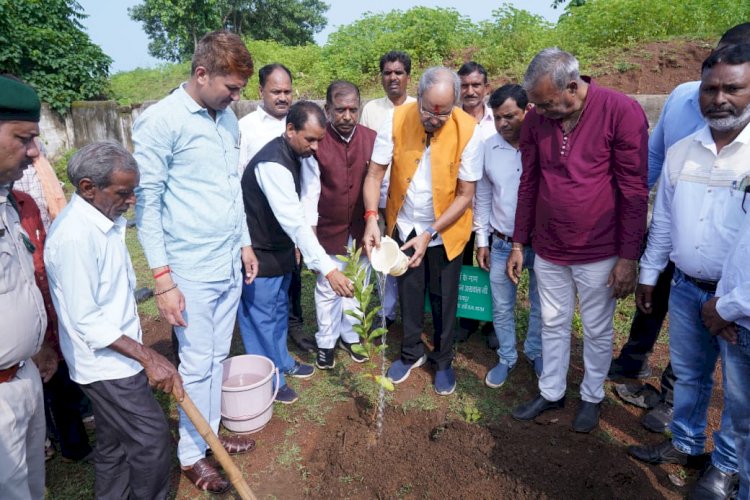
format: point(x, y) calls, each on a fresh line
point(106, 120)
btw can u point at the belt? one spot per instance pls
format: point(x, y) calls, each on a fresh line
point(705, 285)
point(498, 234)
point(8, 373)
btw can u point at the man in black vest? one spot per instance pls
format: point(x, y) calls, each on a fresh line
point(275, 216)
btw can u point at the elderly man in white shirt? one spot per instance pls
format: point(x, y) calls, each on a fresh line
point(697, 216)
point(494, 220)
point(92, 281)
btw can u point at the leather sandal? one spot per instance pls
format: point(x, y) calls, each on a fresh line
point(205, 477)
point(237, 443)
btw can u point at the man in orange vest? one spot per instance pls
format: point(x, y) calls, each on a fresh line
point(435, 153)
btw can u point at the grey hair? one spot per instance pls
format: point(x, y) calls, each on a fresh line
point(439, 74)
point(97, 161)
point(560, 66)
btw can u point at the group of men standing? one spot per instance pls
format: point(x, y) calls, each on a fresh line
point(551, 174)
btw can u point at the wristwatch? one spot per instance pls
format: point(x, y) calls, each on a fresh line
point(432, 232)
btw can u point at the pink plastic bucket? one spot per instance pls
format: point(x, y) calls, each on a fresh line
point(247, 392)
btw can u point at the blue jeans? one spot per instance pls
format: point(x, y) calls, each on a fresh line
point(203, 346)
point(737, 379)
point(694, 352)
point(504, 302)
point(263, 318)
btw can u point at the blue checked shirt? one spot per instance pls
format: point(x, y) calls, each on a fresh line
point(189, 209)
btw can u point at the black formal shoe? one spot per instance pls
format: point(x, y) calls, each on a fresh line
point(535, 407)
point(662, 453)
point(658, 419)
point(587, 417)
point(617, 371)
point(714, 485)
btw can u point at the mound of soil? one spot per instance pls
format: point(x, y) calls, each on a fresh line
point(423, 455)
point(654, 68)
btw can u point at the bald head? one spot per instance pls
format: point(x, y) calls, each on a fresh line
point(438, 92)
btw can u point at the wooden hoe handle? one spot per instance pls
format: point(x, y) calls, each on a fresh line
point(226, 462)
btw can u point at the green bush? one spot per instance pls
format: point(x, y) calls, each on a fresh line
point(504, 45)
point(147, 84)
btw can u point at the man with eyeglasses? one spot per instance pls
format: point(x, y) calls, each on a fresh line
point(697, 216)
point(395, 71)
point(436, 154)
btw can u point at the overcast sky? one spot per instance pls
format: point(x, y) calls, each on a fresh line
point(125, 42)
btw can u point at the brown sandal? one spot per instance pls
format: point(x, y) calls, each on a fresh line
point(205, 477)
point(237, 443)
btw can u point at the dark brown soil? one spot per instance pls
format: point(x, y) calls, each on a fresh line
point(654, 68)
point(436, 454)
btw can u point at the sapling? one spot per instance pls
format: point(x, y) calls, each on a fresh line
point(357, 272)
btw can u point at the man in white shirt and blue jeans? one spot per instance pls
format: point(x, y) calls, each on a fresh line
point(92, 282)
point(697, 216)
point(494, 220)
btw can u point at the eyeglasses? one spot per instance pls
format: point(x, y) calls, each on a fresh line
point(437, 116)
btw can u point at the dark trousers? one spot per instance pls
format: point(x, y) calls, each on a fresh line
point(645, 330)
point(439, 276)
point(295, 295)
point(62, 408)
point(132, 457)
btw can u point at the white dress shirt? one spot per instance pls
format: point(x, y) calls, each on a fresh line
point(256, 130)
point(374, 114)
point(697, 212)
point(497, 190)
point(487, 124)
point(277, 184)
point(417, 212)
point(733, 289)
point(92, 283)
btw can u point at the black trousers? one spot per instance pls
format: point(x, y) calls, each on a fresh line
point(62, 405)
point(439, 277)
point(644, 331)
point(295, 295)
point(132, 458)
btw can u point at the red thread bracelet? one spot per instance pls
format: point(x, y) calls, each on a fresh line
point(369, 213)
point(162, 273)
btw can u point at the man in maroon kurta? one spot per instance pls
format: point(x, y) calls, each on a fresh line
point(332, 182)
point(582, 206)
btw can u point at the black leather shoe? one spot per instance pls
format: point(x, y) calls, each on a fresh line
point(617, 371)
point(662, 453)
point(587, 417)
point(535, 407)
point(658, 419)
point(714, 485)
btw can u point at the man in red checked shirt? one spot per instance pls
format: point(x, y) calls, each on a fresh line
point(582, 205)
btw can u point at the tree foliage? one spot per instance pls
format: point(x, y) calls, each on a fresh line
point(175, 26)
point(44, 43)
point(504, 45)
